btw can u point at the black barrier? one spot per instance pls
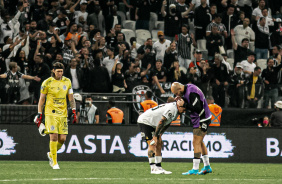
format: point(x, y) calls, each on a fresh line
point(123, 143)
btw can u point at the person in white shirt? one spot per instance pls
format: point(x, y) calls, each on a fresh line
point(244, 31)
point(249, 65)
point(269, 21)
point(109, 61)
point(82, 12)
point(89, 114)
point(257, 13)
point(160, 46)
point(153, 124)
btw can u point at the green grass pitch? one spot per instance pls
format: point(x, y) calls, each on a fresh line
point(135, 172)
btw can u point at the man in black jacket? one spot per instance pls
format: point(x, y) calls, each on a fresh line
point(262, 42)
point(202, 19)
point(214, 40)
point(75, 74)
point(270, 78)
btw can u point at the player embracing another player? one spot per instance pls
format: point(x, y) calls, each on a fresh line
point(153, 124)
point(55, 90)
point(194, 101)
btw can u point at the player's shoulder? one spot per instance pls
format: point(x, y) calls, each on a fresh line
point(65, 79)
point(171, 105)
point(48, 80)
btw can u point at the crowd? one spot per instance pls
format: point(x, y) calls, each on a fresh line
point(87, 37)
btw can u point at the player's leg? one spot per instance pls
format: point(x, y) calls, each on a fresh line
point(61, 140)
point(159, 156)
point(53, 148)
point(198, 136)
point(207, 168)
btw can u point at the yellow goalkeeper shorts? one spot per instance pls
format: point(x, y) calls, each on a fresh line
point(57, 125)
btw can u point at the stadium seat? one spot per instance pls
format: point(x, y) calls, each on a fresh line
point(230, 53)
point(160, 25)
point(155, 35)
point(122, 16)
point(231, 62)
point(142, 35)
point(153, 20)
point(128, 15)
point(128, 33)
point(183, 69)
point(262, 63)
point(252, 46)
point(129, 24)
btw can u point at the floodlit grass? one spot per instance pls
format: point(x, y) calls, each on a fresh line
point(135, 172)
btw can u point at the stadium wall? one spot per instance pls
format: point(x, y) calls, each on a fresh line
point(123, 143)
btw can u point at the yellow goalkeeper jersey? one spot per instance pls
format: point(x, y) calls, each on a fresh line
point(56, 96)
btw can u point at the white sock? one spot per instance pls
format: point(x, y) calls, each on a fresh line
point(152, 162)
point(206, 160)
point(196, 164)
point(158, 159)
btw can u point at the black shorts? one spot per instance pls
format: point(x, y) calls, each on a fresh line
point(147, 132)
point(204, 125)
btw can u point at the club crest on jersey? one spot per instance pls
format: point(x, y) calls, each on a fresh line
point(64, 87)
point(52, 128)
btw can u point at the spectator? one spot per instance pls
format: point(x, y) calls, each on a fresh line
point(160, 71)
point(51, 28)
point(257, 12)
point(220, 80)
point(198, 57)
point(268, 21)
point(240, 52)
point(134, 47)
point(242, 17)
point(181, 7)
point(170, 55)
point(276, 56)
point(216, 112)
point(236, 86)
point(37, 11)
point(229, 19)
point(249, 65)
point(114, 115)
point(270, 79)
point(276, 36)
point(119, 42)
point(214, 41)
point(244, 31)
point(160, 46)
point(184, 41)
point(192, 77)
point(68, 50)
point(246, 6)
point(82, 12)
point(106, 6)
point(141, 49)
point(202, 19)
point(109, 61)
point(13, 48)
point(142, 14)
point(75, 74)
point(112, 19)
point(254, 90)
point(100, 78)
point(177, 75)
point(43, 24)
point(89, 114)
point(13, 86)
point(276, 117)
point(59, 58)
point(97, 19)
point(118, 80)
point(220, 27)
point(262, 42)
point(62, 20)
point(205, 74)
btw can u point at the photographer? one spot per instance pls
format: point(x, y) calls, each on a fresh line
point(89, 113)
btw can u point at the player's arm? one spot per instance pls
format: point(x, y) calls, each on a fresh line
point(159, 130)
point(72, 105)
point(3, 76)
point(41, 103)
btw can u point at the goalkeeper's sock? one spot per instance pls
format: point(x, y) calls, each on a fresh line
point(59, 145)
point(159, 161)
point(53, 151)
point(206, 160)
point(196, 163)
point(152, 162)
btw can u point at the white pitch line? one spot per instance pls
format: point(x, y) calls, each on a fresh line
point(159, 179)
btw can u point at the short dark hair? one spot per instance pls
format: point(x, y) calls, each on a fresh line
point(257, 68)
point(244, 39)
point(149, 94)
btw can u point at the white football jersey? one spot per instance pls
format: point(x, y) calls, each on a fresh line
point(153, 116)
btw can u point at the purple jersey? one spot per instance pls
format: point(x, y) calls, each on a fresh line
point(195, 117)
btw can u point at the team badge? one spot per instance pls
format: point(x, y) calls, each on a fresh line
point(52, 128)
point(64, 87)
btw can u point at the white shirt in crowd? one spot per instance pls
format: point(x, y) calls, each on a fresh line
point(78, 14)
point(198, 2)
point(91, 113)
point(109, 63)
point(241, 3)
point(153, 116)
point(75, 83)
point(248, 67)
point(257, 12)
point(160, 48)
point(241, 33)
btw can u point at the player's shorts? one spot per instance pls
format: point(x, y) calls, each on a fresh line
point(147, 132)
point(204, 125)
point(56, 125)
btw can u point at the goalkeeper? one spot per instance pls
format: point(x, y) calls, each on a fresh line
point(54, 90)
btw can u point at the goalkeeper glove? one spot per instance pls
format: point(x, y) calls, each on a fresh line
point(74, 116)
point(38, 119)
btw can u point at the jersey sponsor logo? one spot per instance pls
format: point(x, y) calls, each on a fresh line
point(180, 145)
point(7, 143)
